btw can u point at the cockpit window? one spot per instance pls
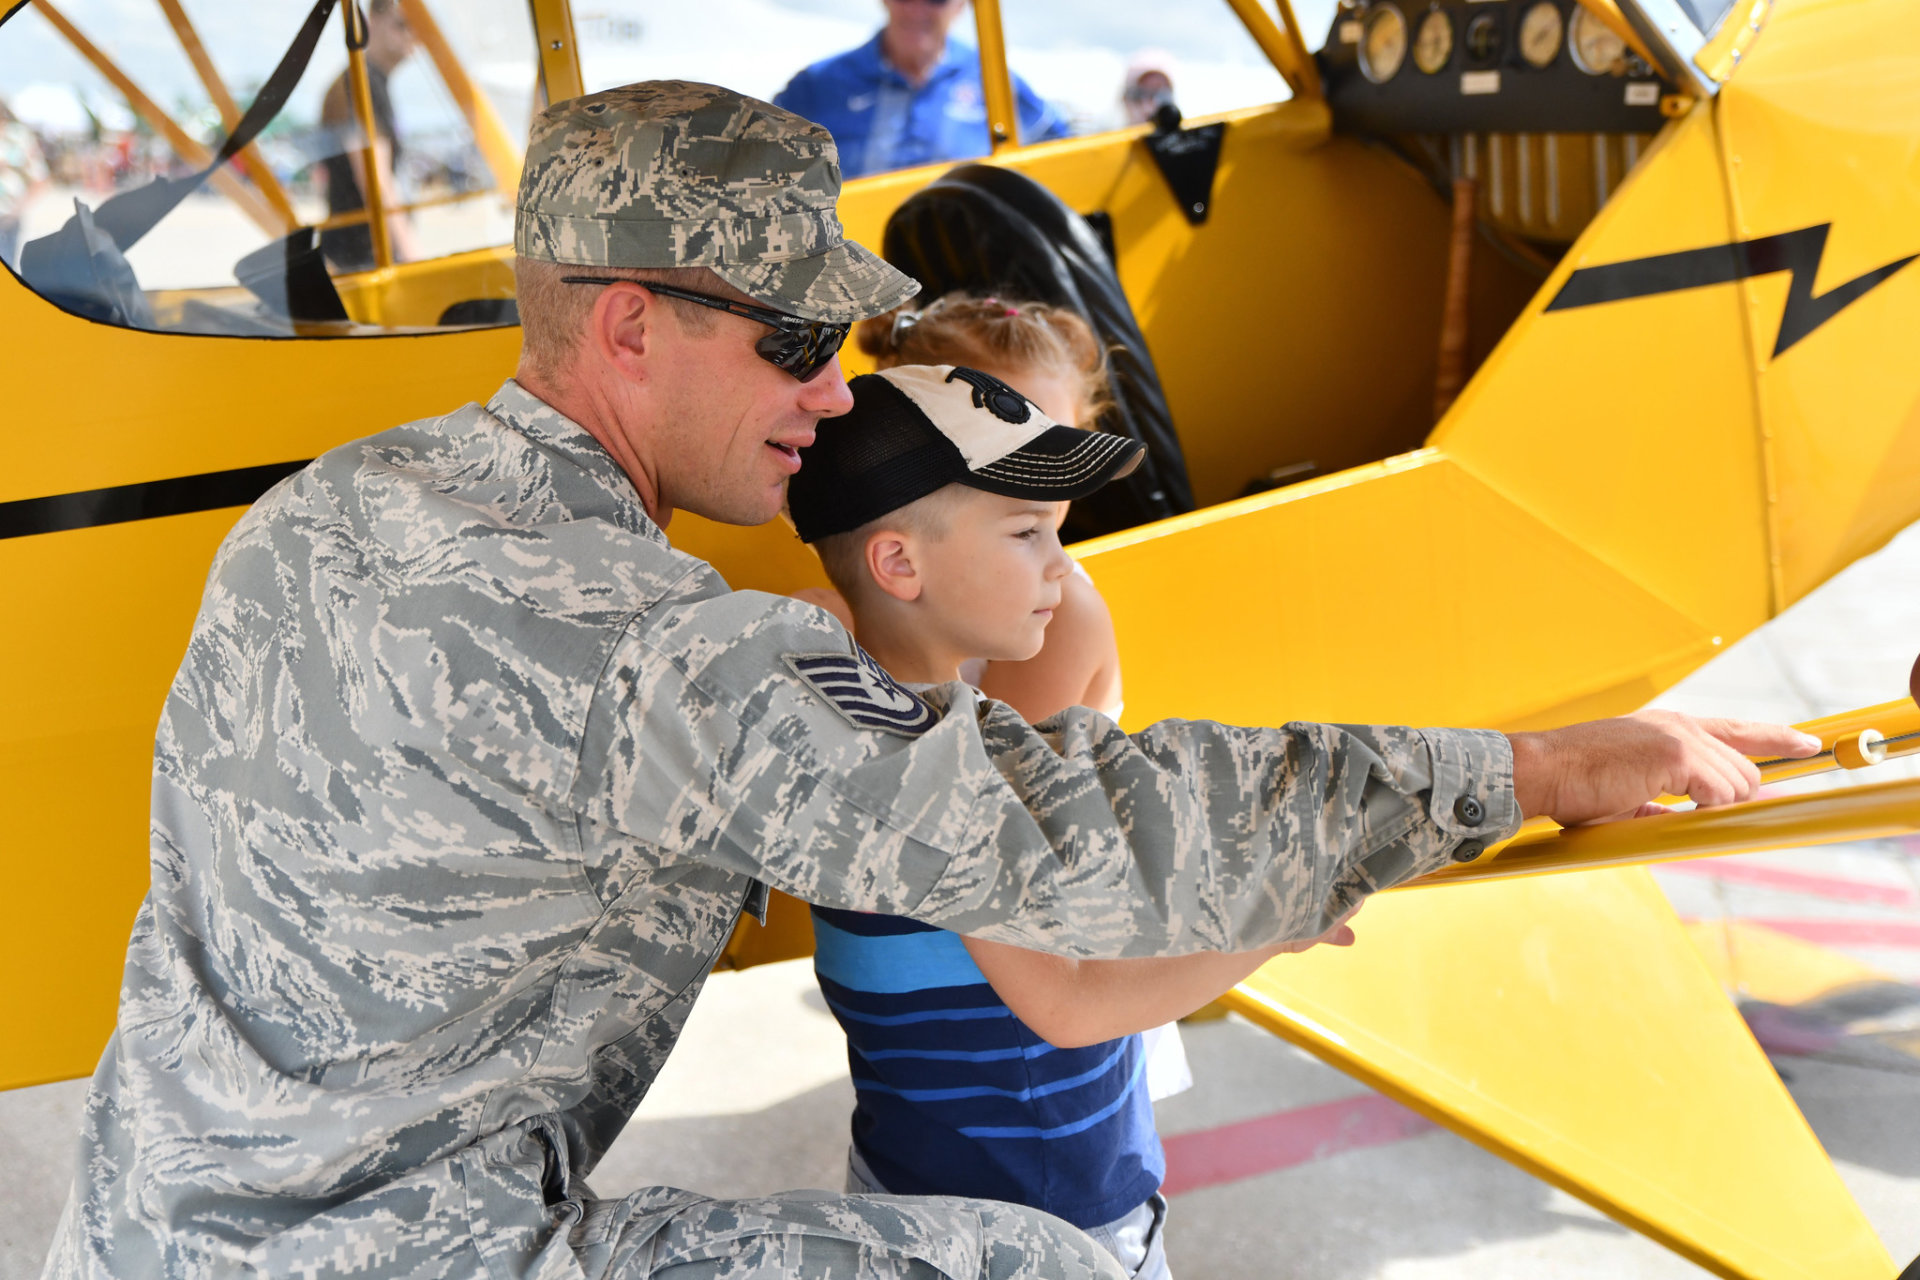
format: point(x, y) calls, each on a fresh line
point(123, 102)
point(898, 83)
point(1707, 13)
point(1315, 18)
point(291, 167)
point(1105, 66)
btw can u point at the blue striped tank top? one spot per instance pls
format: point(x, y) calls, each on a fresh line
point(954, 1095)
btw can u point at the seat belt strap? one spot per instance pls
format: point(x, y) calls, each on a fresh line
point(130, 215)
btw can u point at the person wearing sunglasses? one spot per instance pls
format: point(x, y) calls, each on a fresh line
point(911, 95)
point(468, 773)
point(801, 347)
point(1147, 86)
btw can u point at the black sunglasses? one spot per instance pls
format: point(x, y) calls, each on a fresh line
point(800, 347)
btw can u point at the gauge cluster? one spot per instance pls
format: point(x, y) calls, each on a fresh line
point(1519, 66)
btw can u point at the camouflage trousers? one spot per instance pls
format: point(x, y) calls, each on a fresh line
point(822, 1236)
point(671, 1234)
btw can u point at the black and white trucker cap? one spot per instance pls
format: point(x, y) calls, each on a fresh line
point(918, 428)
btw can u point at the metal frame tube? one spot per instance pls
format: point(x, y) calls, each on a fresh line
point(183, 144)
point(559, 49)
point(1855, 813)
point(996, 81)
point(359, 216)
point(489, 134)
point(358, 85)
point(1781, 822)
point(249, 157)
point(1287, 50)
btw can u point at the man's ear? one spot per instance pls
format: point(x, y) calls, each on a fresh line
point(621, 328)
point(890, 563)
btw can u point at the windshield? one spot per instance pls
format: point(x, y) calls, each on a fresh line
point(845, 65)
point(395, 142)
point(118, 106)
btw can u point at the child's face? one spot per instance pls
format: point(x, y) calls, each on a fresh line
point(992, 578)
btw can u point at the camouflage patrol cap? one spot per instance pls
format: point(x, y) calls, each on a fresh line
point(666, 173)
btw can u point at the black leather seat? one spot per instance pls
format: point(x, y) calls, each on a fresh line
point(991, 230)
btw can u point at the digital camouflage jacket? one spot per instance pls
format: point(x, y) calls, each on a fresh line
point(460, 789)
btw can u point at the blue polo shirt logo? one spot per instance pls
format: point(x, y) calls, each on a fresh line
point(964, 103)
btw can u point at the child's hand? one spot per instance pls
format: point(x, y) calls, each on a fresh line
point(1338, 936)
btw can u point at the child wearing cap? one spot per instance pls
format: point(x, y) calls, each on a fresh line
point(982, 1069)
point(1053, 357)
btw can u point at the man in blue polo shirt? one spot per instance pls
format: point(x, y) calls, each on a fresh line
point(910, 95)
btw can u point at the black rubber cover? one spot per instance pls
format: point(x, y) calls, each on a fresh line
point(991, 230)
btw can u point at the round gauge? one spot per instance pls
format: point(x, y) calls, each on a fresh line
point(1433, 42)
point(1383, 44)
point(1540, 30)
point(1596, 48)
point(1484, 38)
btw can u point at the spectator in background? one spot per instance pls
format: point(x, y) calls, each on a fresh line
point(389, 43)
point(23, 176)
point(910, 95)
point(1147, 87)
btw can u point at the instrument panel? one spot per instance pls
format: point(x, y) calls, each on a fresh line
point(1517, 66)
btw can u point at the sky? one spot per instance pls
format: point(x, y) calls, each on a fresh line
point(1072, 51)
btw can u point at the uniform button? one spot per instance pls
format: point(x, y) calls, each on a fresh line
point(1470, 811)
point(1469, 850)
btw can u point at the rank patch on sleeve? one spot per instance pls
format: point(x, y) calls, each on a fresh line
point(860, 689)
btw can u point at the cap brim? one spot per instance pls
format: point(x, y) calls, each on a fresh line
point(845, 284)
point(1059, 465)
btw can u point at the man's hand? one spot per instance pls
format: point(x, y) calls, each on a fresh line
point(1614, 768)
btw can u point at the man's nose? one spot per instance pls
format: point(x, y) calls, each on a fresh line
point(827, 395)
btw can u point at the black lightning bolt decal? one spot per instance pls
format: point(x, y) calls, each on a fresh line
point(1797, 252)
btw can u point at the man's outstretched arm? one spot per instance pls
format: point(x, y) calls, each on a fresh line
point(746, 731)
point(1583, 770)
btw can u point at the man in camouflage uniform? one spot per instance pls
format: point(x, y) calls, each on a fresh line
point(467, 775)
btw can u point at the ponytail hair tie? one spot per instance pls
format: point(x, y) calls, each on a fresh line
point(903, 323)
point(1006, 308)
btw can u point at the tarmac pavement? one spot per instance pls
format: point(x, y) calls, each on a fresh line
point(1320, 1177)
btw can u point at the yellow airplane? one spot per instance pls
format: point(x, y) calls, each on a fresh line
point(1555, 344)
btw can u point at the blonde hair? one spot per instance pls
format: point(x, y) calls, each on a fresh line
point(969, 329)
point(844, 555)
point(553, 313)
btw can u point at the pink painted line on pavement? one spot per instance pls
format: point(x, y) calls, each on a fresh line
point(1264, 1144)
point(1838, 888)
point(1844, 933)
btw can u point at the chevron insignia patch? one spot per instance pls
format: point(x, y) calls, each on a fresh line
point(860, 690)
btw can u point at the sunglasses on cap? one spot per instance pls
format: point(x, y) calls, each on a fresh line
point(799, 347)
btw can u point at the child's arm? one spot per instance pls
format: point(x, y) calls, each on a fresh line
point(1078, 665)
point(1070, 1003)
